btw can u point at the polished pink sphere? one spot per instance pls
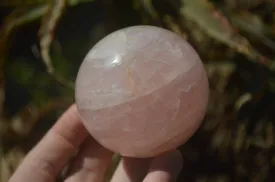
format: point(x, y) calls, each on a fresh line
point(142, 91)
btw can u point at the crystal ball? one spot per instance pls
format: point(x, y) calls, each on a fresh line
point(141, 91)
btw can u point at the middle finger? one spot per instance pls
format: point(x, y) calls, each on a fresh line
point(91, 163)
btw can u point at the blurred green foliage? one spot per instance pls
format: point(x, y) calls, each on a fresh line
point(42, 44)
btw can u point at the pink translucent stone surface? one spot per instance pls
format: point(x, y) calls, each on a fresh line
point(142, 91)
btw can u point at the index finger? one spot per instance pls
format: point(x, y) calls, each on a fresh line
point(45, 161)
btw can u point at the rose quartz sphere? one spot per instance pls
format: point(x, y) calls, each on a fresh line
point(142, 91)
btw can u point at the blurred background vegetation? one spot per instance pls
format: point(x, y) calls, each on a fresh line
point(43, 42)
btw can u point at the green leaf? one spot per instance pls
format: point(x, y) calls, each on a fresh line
point(254, 26)
point(216, 25)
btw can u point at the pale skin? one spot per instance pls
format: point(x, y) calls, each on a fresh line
point(68, 137)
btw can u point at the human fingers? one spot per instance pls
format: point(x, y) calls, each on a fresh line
point(45, 161)
point(131, 170)
point(91, 163)
point(165, 168)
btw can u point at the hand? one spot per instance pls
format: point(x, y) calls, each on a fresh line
point(68, 137)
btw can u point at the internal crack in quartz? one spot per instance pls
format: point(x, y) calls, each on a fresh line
point(188, 87)
point(175, 50)
point(131, 81)
point(177, 110)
